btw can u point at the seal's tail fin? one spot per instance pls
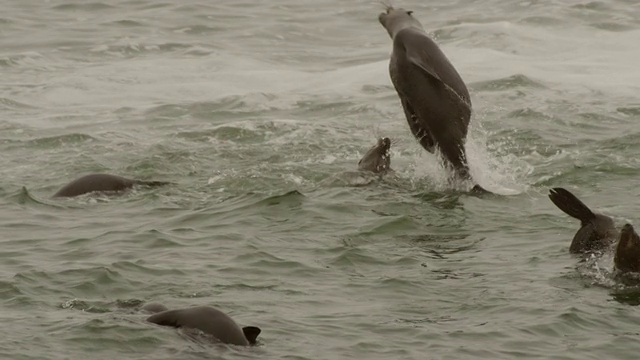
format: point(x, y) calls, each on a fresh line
point(570, 204)
point(251, 333)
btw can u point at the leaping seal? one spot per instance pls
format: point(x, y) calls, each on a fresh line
point(210, 321)
point(597, 232)
point(435, 100)
point(102, 183)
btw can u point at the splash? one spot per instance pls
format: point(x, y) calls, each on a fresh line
point(491, 165)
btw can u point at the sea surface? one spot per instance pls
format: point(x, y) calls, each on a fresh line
point(258, 111)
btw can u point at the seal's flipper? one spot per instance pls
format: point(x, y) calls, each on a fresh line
point(417, 58)
point(571, 205)
point(424, 55)
point(418, 128)
point(251, 333)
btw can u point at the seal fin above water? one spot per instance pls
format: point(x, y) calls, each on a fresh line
point(416, 57)
point(571, 205)
point(419, 131)
point(425, 55)
point(597, 232)
point(251, 333)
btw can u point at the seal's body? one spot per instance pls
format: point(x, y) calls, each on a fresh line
point(377, 159)
point(597, 232)
point(210, 321)
point(101, 183)
point(435, 100)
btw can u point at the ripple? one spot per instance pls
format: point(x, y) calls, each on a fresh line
point(508, 83)
point(352, 258)
point(78, 282)
point(528, 113)
point(131, 48)
point(125, 23)
point(9, 291)
point(81, 6)
point(137, 268)
point(264, 261)
point(592, 5)
point(8, 104)
point(604, 119)
point(613, 26)
point(199, 29)
point(630, 111)
point(27, 59)
point(60, 141)
point(84, 306)
point(225, 133)
point(542, 20)
point(291, 199)
point(390, 225)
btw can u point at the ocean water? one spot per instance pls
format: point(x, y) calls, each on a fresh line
point(259, 111)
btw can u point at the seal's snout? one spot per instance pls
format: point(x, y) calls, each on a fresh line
point(385, 143)
point(627, 257)
point(382, 17)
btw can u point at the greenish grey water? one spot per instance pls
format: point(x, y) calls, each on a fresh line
point(259, 112)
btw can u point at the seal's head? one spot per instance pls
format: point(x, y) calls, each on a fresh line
point(627, 258)
point(378, 158)
point(395, 20)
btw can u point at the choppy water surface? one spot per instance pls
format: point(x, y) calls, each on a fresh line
point(259, 111)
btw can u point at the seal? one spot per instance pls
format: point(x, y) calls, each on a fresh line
point(102, 183)
point(210, 321)
point(435, 100)
point(627, 256)
point(597, 232)
point(377, 159)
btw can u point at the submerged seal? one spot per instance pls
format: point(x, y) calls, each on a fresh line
point(627, 257)
point(102, 183)
point(435, 100)
point(377, 159)
point(597, 232)
point(210, 321)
